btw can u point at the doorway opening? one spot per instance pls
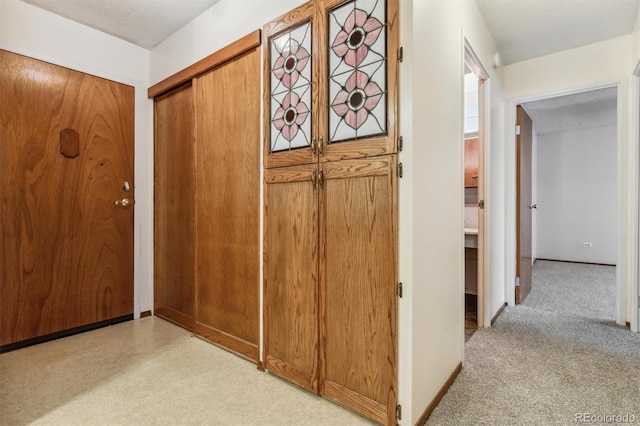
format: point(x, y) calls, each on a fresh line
point(567, 206)
point(473, 204)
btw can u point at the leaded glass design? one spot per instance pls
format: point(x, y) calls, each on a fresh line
point(357, 70)
point(291, 89)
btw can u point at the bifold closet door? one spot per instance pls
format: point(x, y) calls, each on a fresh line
point(291, 274)
point(358, 291)
point(227, 212)
point(174, 224)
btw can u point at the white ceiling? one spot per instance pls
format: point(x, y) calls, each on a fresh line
point(525, 29)
point(145, 23)
point(522, 29)
point(584, 110)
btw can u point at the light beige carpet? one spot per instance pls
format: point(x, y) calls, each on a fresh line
point(558, 359)
point(150, 372)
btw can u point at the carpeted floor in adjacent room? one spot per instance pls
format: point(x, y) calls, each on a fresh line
point(557, 356)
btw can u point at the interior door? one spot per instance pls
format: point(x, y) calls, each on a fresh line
point(523, 204)
point(66, 151)
point(227, 204)
point(358, 285)
point(174, 207)
point(291, 335)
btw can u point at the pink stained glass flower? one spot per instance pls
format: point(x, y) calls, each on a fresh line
point(290, 116)
point(358, 34)
point(292, 60)
point(356, 99)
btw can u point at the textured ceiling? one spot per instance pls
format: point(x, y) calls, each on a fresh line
point(142, 22)
point(594, 108)
point(525, 29)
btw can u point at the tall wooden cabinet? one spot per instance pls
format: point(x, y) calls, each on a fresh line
point(330, 195)
point(207, 211)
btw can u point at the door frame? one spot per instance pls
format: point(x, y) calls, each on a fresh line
point(626, 199)
point(142, 171)
point(635, 208)
point(471, 60)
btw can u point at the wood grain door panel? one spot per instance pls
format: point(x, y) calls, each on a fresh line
point(523, 204)
point(291, 275)
point(358, 285)
point(67, 249)
point(227, 212)
point(471, 163)
point(174, 207)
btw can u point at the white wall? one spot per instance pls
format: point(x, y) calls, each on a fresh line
point(592, 66)
point(33, 32)
point(222, 24)
point(576, 182)
point(435, 184)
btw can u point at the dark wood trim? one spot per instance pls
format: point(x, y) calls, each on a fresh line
point(236, 48)
point(575, 261)
point(495, 317)
point(628, 325)
point(260, 366)
point(65, 333)
point(443, 390)
point(145, 314)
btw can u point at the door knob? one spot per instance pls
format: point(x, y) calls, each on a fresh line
point(124, 202)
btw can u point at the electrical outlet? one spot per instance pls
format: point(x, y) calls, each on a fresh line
point(587, 245)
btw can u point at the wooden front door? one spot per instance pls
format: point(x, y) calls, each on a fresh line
point(523, 204)
point(358, 285)
point(66, 248)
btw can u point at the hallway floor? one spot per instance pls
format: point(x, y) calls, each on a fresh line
point(557, 357)
point(150, 372)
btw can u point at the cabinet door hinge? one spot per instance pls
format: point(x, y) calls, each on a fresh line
point(399, 290)
point(518, 130)
point(517, 281)
point(400, 143)
point(400, 54)
point(399, 412)
point(400, 171)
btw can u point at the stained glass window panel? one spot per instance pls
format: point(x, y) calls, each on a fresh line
point(357, 70)
point(291, 89)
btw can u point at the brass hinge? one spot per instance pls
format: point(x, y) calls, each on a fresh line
point(400, 54)
point(481, 204)
point(400, 171)
point(399, 412)
point(400, 143)
point(399, 290)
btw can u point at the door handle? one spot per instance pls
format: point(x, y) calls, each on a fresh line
point(124, 202)
point(534, 206)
